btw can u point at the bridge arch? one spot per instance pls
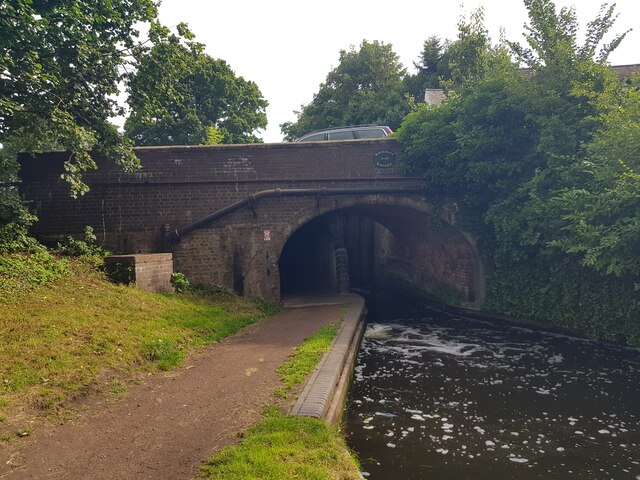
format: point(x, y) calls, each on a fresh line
point(387, 237)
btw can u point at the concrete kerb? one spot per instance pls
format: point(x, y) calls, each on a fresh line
point(326, 390)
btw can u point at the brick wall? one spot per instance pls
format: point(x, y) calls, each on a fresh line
point(179, 185)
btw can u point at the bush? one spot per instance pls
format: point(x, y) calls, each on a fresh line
point(20, 272)
point(84, 247)
point(180, 282)
point(14, 238)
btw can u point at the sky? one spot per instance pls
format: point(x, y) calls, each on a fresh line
point(288, 47)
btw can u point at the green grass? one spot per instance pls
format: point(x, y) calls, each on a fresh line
point(59, 336)
point(304, 359)
point(285, 447)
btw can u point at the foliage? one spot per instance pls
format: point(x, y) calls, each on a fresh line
point(432, 67)
point(478, 144)
point(554, 288)
point(468, 54)
point(23, 272)
point(601, 215)
point(14, 238)
point(61, 64)
point(305, 358)
point(541, 162)
point(180, 95)
point(13, 211)
point(83, 247)
point(366, 87)
point(446, 64)
point(180, 282)
point(282, 446)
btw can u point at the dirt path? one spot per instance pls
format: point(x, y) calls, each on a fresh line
point(164, 428)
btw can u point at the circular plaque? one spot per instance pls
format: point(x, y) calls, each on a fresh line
point(384, 158)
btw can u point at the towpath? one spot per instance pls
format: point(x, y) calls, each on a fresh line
point(165, 427)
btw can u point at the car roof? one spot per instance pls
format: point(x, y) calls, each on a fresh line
point(385, 128)
point(350, 127)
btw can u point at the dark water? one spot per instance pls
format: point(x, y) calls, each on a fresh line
point(444, 398)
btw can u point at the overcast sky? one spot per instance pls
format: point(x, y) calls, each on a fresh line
point(287, 47)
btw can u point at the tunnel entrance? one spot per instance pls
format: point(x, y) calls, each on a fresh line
point(359, 248)
point(332, 253)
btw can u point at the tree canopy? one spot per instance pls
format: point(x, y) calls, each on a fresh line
point(366, 87)
point(541, 163)
point(61, 64)
point(181, 95)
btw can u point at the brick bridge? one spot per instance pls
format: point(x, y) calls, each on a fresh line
point(267, 219)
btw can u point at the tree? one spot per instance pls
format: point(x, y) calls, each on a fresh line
point(61, 63)
point(432, 68)
point(366, 87)
point(179, 95)
point(452, 64)
point(601, 215)
point(543, 164)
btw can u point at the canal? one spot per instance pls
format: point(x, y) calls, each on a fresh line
point(441, 397)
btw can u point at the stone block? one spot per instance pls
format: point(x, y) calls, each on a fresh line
point(150, 272)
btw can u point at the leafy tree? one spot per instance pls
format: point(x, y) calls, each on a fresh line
point(179, 95)
point(366, 87)
point(543, 163)
point(452, 64)
point(571, 91)
point(433, 67)
point(61, 62)
point(601, 214)
point(468, 55)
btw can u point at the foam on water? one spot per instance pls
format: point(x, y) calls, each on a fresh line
point(466, 393)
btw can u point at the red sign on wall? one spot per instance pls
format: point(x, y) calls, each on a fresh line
point(267, 235)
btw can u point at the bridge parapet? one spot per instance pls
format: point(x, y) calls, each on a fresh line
point(179, 185)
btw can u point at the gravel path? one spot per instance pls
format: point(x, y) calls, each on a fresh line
point(165, 428)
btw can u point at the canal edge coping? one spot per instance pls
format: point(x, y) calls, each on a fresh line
point(326, 390)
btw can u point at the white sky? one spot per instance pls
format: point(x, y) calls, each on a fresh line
point(287, 47)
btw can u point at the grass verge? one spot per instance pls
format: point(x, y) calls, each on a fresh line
point(304, 359)
point(60, 338)
point(281, 446)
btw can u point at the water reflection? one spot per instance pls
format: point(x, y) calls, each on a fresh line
point(449, 398)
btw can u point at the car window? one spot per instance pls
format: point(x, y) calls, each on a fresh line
point(344, 135)
point(313, 138)
point(371, 133)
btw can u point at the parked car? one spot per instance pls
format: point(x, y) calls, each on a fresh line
point(347, 133)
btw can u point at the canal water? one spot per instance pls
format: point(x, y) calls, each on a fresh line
point(439, 397)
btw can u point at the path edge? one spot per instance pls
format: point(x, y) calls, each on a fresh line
point(325, 393)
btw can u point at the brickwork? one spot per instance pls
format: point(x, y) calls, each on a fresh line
point(177, 186)
point(150, 272)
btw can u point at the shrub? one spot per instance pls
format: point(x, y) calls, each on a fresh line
point(180, 282)
point(84, 247)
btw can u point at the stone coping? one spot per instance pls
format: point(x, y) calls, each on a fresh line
point(325, 391)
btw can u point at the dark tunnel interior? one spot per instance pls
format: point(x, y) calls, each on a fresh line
point(310, 261)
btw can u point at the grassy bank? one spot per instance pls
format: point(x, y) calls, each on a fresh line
point(304, 359)
point(282, 446)
point(77, 332)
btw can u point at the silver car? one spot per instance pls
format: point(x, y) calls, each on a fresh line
point(347, 133)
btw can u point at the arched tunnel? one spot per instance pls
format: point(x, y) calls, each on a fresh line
point(362, 247)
